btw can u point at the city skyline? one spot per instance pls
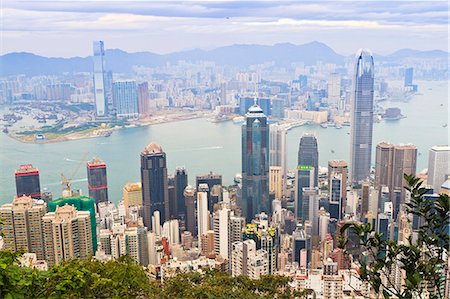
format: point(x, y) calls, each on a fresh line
point(175, 26)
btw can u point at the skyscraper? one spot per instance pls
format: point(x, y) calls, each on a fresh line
point(255, 163)
point(339, 167)
point(438, 166)
point(27, 181)
point(22, 225)
point(101, 104)
point(202, 210)
point(392, 162)
point(362, 117)
point(97, 182)
point(155, 195)
point(181, 180)
point(143, 104)
point(190, 203)
point(277, 147)
point(308, 164)
point(334, 89)
point(211, 179)
point(125, 99)
point(409, 76)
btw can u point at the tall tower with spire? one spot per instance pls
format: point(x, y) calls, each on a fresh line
point(362, 117)
point(255, 163)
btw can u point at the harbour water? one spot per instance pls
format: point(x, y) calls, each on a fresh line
point(202, 146)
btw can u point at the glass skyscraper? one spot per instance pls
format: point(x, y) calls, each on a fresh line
point(255, 163)
point(101, 104)
point(308, 161)
point(155, 196)
point(362, 117)
point(125, 99)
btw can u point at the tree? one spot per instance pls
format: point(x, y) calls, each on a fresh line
point(421, 259)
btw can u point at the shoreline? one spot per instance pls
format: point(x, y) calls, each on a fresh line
point(89, 134)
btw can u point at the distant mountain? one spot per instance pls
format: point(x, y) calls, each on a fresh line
point(119, 61)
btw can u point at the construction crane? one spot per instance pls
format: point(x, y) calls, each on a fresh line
point(67, 192)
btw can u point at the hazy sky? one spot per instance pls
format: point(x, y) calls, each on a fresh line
point(67, 28)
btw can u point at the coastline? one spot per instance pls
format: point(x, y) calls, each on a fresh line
point(99, 132)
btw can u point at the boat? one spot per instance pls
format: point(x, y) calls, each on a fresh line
point(5, 130)
point(324, 126)
point(346, 123)
point(338, 126)
point(39, 137)
point(332, 151)
point(444, 125)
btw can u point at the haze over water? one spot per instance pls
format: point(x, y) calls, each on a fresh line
point(202, 146)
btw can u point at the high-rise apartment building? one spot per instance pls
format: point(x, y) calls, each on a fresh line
point(255, 163)
point(307, 170)
point(202, 210)
point(438, 166)
point(27, 181)
point(101, 103)
point(334, 89)
point(248, 261)
point(22, 225)
point(155, 195)
point(97, 182)
point(143, 104)
point(362, 117)
point(67, 234)
point(81, 204)
point(125, 99)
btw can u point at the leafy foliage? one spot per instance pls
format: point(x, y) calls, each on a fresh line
point(421, 259)
point(124, 278)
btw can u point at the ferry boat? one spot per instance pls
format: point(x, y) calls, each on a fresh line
point(39, 137)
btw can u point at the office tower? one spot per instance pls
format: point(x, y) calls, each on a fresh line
point(143, 104)
point(308, 165)
point(22, 225)
point(255, 163)
point(438, 166)
point(310, 199)
point(82, 204)
point(384, 155)
point(248, 261)
point(155, 195)
point(190, 198)
point(277, 147)
point(277, 110)
point(181, 181)
point(156, 223)
point(409, 76)
point(97, 182)
point(108, 87)
point(362, 117)
point(67, 234)
point(101, 104)
point(125, 99)
point(392, 162)
point(211, 179)
point(365, 200)
point(301, 241)
point(334, 89)
point(27, 181)
point(202, 210)
point(132, 196)
point(223, 93)
point(276, 181)
point(173, 208)
point(336, 191)
point(383, 226)
point(339, 167)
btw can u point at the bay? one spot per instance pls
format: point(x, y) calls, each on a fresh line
point(202, 146)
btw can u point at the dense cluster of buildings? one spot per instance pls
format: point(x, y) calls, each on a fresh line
point(271, 221)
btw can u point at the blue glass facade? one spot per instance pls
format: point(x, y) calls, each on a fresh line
point(255, 163)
